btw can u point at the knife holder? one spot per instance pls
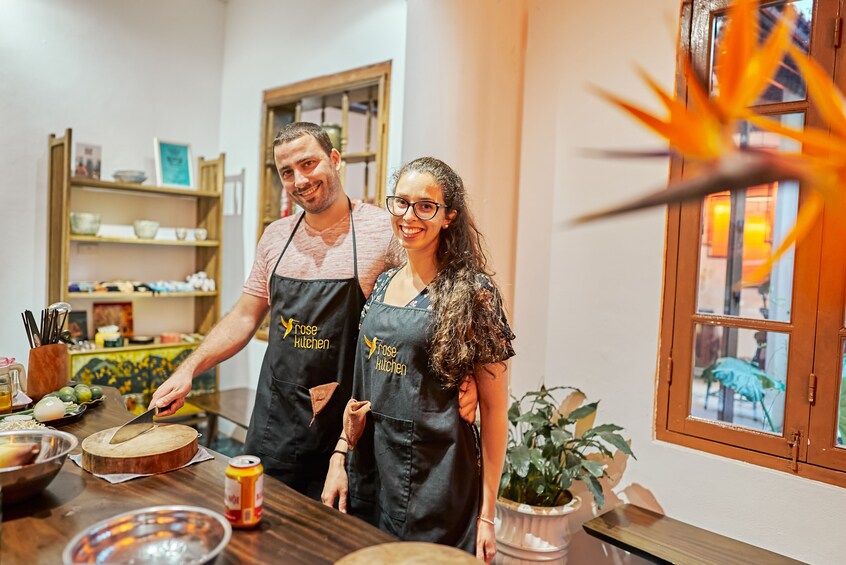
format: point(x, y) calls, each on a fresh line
point(47, 370)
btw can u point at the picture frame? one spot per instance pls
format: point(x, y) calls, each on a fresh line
point(174, 163)
point(87, 162)
point(78, 325)
point(113, 314)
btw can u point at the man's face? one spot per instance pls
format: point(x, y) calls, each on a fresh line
point(309, 176)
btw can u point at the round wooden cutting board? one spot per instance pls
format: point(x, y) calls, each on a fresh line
point(164, 448)
point(408, 553)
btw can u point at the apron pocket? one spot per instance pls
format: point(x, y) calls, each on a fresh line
point(286, 430)
point(392, 440)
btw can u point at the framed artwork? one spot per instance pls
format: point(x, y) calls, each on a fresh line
point(78, 325)
point(174, 164)
point(87, 162)
point(113, 314)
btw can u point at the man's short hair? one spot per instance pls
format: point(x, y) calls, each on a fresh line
point(296, 130)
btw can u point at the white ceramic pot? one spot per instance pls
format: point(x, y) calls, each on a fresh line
point(533, 534)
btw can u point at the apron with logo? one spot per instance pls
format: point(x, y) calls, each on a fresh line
point(415, 472)
point(313, 330)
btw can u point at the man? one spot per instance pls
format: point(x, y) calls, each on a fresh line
point(313, 272)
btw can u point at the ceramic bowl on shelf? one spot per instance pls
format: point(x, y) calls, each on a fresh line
point(84, 223)
point(158, 534)
point(130, 176)
point(181, 233)
point(200, 234)
point(146, 229)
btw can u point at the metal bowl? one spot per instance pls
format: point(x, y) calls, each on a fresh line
point(22, 482)
point(188, 535)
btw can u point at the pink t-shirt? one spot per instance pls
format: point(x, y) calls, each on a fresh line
point(326, 254)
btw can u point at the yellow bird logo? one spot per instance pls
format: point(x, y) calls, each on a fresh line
point(370, 344)
point(289, 325)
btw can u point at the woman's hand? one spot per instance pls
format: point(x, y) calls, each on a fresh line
point(468, 399)
point(336, 484)
point(485, 541)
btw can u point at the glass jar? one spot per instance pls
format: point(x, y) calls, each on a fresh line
point(5, 395)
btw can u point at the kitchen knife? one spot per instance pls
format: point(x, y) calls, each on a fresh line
point(135, 427)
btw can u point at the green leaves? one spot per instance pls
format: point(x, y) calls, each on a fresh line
point(546, 454)
point(583, 411)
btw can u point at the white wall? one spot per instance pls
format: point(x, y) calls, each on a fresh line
point(588, 299)
point(270, 43)
point(463, 100)
point(119, 73)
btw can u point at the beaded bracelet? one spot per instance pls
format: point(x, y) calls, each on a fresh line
point(344, 453)
point(488, 520)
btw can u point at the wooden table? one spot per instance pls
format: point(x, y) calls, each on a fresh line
point(294, 529)
point(235, 405)
point(661, 539)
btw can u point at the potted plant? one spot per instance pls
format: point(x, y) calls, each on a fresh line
point(550, 445)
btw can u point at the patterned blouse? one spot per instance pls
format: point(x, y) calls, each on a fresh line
point(489, 292)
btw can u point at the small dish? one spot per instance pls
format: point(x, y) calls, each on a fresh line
point(130, 176)
point(67, 418)
point(200, 234)
point(181, 233)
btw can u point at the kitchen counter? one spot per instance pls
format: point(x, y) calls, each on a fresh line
point(294, 529)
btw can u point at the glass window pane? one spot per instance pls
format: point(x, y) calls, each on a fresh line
point(841, 405)
point(787, 85)
point(740, 231)
point(739, 376)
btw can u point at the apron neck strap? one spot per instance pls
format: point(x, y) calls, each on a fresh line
point(296, 227)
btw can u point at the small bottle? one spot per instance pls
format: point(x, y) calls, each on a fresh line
point(5, 395)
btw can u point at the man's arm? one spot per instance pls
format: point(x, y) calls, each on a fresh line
point(227, 337)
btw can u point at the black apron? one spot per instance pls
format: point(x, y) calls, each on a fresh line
point(415, 472)
point(313, 331)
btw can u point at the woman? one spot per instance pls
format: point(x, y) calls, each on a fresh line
point(416, 471)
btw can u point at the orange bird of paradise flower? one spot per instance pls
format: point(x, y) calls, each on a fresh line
point(370, 344)
point(703, 130)
point(288, 325)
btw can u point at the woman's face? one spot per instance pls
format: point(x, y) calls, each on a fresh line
point(416, 235)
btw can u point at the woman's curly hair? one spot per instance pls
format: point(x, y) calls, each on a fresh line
point(466, 327)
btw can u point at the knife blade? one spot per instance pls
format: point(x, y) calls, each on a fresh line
point(135, 427)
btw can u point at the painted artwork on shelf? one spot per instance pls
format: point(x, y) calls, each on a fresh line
point(113, 314)
point(174, 164)
point(87, 162)
point(78, 325)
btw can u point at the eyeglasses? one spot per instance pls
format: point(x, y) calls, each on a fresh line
point(423, 209)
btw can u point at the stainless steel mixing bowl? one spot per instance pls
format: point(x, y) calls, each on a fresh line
point(188, 535)
point(21, 482)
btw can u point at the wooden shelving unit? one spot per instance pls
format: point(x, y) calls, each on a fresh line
point(64, 251)
point(124, 295)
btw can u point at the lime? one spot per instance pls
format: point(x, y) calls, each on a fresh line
point(67, 397)
point(64, 390)
point(83, 393)
point(96, 393)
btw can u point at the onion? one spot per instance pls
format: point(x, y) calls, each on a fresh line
point(49, 408)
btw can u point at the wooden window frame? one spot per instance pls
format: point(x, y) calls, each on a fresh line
point(816, 327)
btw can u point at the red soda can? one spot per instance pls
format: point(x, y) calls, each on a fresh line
point(244, 491)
